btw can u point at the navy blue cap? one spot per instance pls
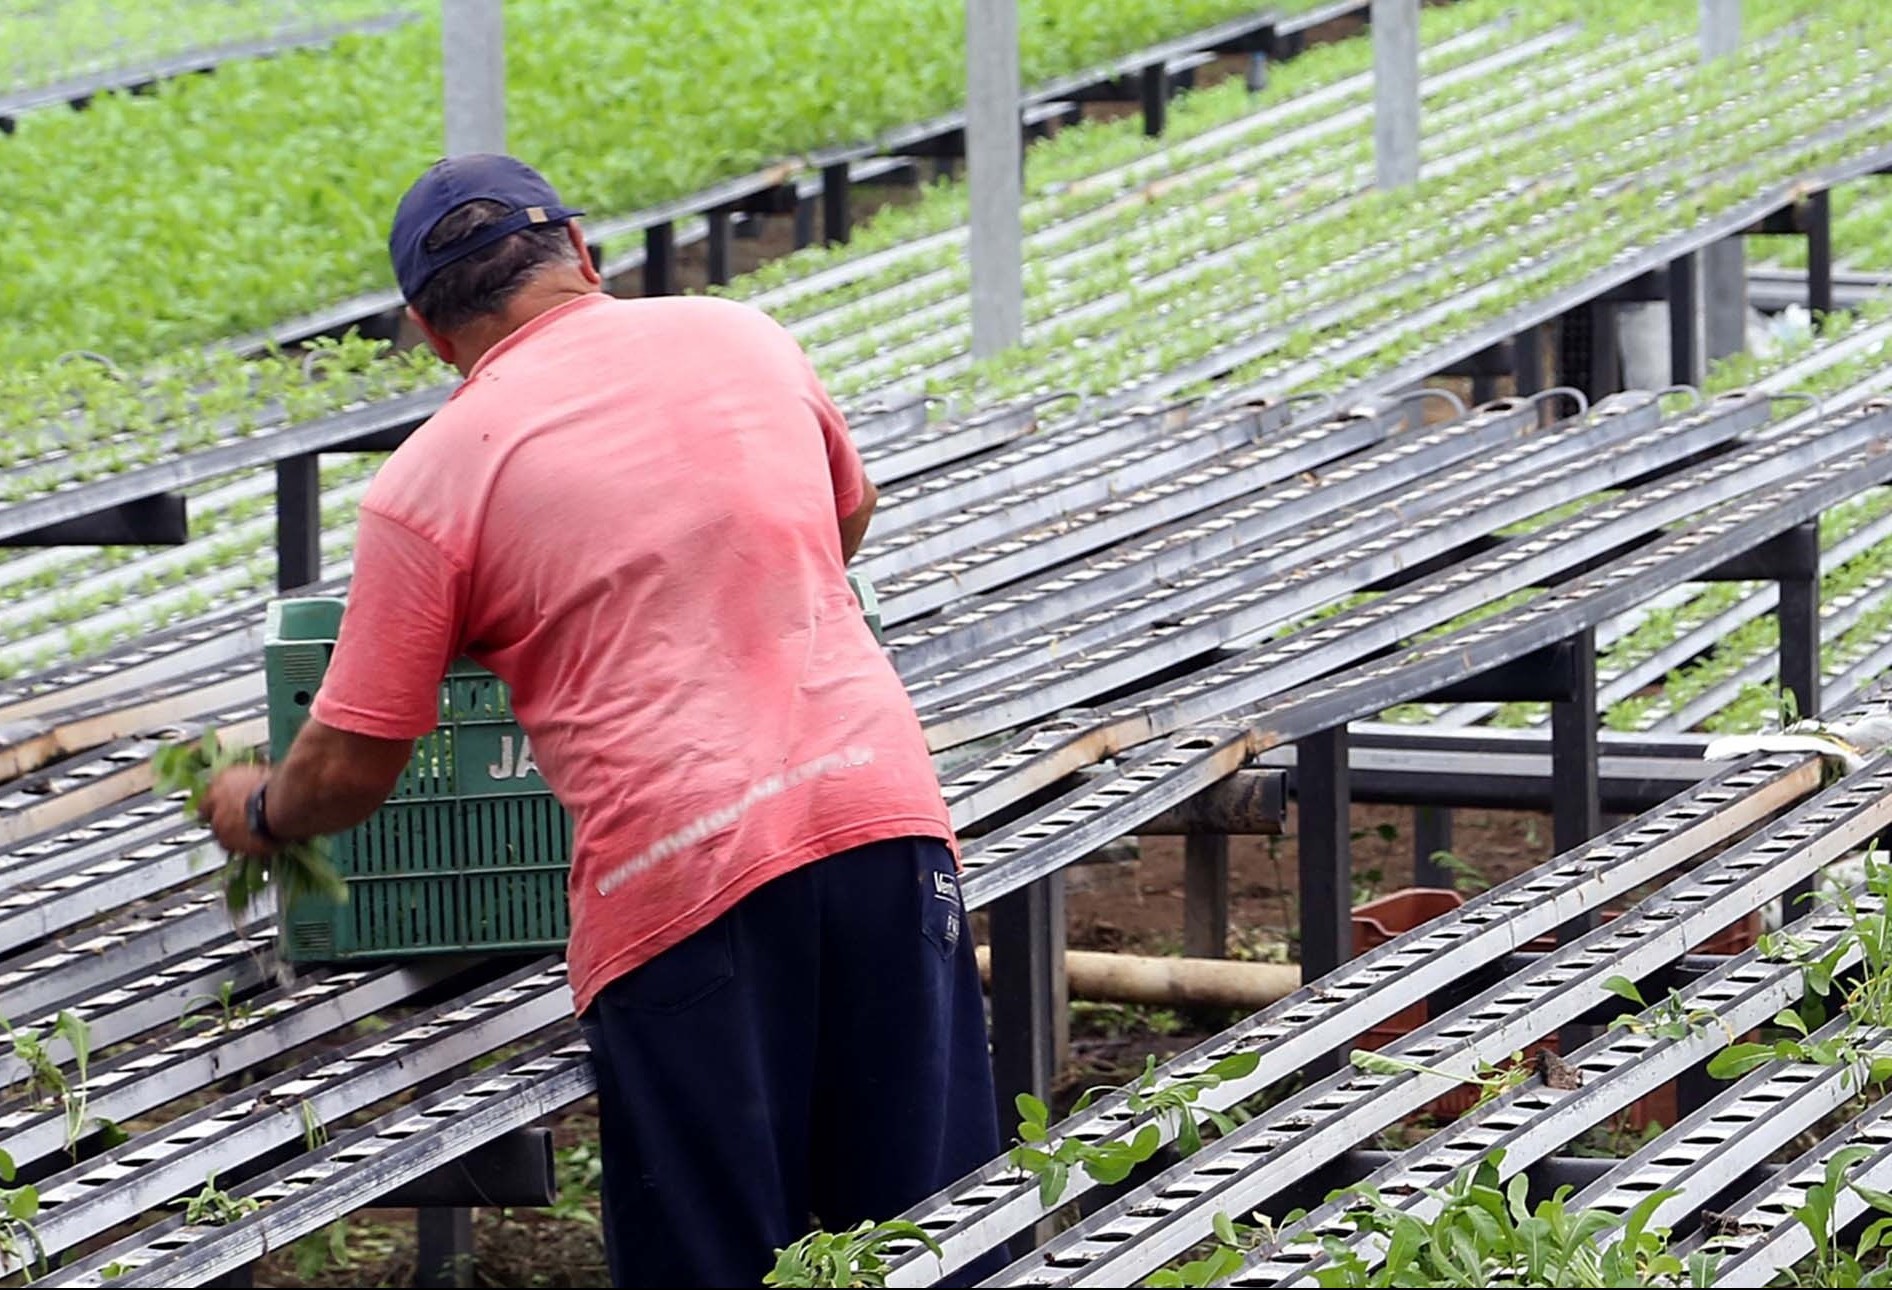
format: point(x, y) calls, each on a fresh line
point(451, 184)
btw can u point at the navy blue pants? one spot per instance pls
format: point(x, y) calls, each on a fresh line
point(817, 1054)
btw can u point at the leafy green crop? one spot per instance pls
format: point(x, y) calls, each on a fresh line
point(19, 1206)
point(1857, 1040)
point(1486, 1232)
point(1864, 1264)
point(297, 870)
point(231, 202)
point(856, 1257)
point(1110, 1160)
point(214, 1207)
point(1492, 1081)
point(44, 1081)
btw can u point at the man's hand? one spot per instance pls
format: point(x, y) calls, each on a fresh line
point(226, 809)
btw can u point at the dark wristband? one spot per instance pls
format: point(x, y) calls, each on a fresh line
point(257, 813)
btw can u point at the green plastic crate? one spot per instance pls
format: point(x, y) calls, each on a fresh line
point(470, 853)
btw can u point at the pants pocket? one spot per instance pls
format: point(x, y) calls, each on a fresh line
point(942, 909)
point(683, 975)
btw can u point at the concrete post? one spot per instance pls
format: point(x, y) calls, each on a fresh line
point(1395, 92)
point(1724, 264)
point(994, 156)
point(473, 66)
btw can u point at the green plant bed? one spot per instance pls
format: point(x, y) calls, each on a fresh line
point(223, 204)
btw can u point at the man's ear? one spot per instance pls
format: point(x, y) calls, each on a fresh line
point(442, 345)
point(585, 264)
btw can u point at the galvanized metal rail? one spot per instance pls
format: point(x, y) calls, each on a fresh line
point(152, 1168)
point(1527, 1124)
point(255, 1030)
point(1388, 472)
point(989, 1206)
point(1024, 533)
point(334, 1180)
point(1758, 1236)
point(90, 961)
point(150, 997)
point(1238, 690)
point(1153, 1223)
point(1267, 584)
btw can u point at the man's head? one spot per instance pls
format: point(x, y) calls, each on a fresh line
point(481, 245)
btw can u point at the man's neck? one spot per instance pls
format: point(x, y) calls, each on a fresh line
point(473, 341)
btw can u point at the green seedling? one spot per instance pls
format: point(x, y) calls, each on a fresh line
point(1232, 1241)
point(1110, 1161)
point(314, 1132)
point(298, 870)
point(1834, 1263)
point(1865, 1003)
point(1467, 878)
point(229, 1011)
point(214, 1207)
point(1492, 1081)
point(1486, 1232)
point(20, 1245)
point(45, 1083)
point(320, 1251)
point(856, 1257)
point(1670, 1018)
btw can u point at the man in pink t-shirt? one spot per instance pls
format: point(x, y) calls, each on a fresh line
point(638, 514)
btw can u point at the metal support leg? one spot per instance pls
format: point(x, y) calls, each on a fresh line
point(1431, 834)
point(1324, 792)
point(719, 248)
point(1819, 217)
point(444, 1253)
point(1724, 298)
point(235, 1279)
point(298, 521)
point(836, 219)
point(1799, 610)
point(1527, 350)
point(1027, 974)
point(1684, 345)
point(1576, 807)
point(1606, 368)
point(1155, 99)
point(1577, 811)
point(1324, 789)
point(1800, 621)
point(660, 260)
point(1255, 77)
point(1205, 895)
point(804, 223)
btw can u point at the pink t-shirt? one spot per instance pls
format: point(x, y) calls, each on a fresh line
point(629, 512)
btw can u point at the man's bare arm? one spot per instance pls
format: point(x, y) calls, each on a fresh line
point(330, 781)
point(854, 527)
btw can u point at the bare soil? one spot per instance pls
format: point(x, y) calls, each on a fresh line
point(1138, 905)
